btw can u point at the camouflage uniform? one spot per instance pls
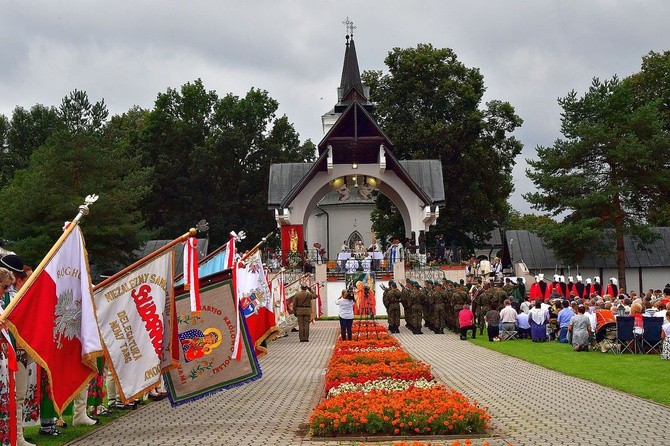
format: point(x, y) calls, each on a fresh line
point(439, 309)
point(427, 302)
point(509, 289)
point(481, 304)
point(460, 298)
point(416, 309)
point(404, 300)
point(391, 298)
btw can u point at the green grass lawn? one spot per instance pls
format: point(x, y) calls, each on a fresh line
point(641, 375)
point(70, 432)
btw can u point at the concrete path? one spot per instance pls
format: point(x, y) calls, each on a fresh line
point(528, 407)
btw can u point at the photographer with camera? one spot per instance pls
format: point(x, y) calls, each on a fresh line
point(346, 303)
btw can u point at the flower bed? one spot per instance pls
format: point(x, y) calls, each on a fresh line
point(374, 387)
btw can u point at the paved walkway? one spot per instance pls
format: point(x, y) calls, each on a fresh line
point(529, 407)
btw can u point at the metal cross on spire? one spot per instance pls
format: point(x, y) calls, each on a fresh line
point(350, 27)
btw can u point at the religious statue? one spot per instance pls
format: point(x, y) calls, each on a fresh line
point(293, 246)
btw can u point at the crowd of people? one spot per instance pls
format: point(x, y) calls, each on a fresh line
point(567, 313)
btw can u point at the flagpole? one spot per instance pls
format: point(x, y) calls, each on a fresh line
point(83, 211)
point(298, 279)
point(255, 248)
point(191, 232)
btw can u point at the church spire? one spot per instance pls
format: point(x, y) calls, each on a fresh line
point(351, 87)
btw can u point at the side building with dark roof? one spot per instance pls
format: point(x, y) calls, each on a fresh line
point(646, 268)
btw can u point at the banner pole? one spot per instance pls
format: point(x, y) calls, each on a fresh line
point(255, 248)
point(191, 232)
point(298, 279)
point(83, 211)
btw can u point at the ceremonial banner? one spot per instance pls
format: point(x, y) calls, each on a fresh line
point(256, 304)
point(207, 341)
point(53, 319)
point(31, 403)
point(290, 291)
point(215, 262)
point(135, 314)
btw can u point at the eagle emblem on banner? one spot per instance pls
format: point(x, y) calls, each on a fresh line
point(67, 320)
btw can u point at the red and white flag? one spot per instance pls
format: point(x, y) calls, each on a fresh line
point(53, 319)
point(255, 301)
point(191, 279)
point(318, 300)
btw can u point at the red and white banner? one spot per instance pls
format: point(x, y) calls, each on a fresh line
point(255, 301)
point(53, 320)
point(191, 280)
point(135, 313)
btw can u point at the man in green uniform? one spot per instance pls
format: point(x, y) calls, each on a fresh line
point(427, 302)
point(404, 300)
point(303, 311)
point(416, 308)
point(391, 300)
point(459, 298)
point(439, 308)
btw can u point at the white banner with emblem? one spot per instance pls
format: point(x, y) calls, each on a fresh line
point(134, 317)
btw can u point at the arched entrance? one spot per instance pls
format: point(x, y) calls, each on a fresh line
point(354, 158)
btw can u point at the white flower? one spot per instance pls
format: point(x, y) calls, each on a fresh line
point(386, 384)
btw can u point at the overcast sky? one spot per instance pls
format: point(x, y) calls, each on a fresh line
point(530, 52)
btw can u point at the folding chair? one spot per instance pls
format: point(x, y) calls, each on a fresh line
point(624, 334)
point(509, 335)
point(651, 338)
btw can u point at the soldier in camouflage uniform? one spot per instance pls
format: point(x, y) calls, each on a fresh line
point(416, 308)
point(509, 287)
point(481, 304)
point(449, 316)
point(428, 314)
point(391, 298)
point(460, 297)
point(448, 290)
point(439, 308)
point(499, 296)
point(404, 300)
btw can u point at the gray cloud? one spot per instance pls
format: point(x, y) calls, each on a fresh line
point(530, 52)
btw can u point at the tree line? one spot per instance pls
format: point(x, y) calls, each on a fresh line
point(196, 155)
point(606, 178)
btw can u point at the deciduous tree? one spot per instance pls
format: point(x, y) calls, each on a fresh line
point(75, 161)
point(211, 159)
point(430, 105)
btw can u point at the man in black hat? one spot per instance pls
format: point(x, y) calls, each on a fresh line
point(14, 263)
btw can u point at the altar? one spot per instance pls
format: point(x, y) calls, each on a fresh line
point(370, 261)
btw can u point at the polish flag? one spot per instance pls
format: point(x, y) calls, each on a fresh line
point(53, 319)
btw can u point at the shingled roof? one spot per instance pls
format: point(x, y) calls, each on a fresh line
point(529, 247)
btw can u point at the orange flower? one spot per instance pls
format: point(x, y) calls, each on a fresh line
point(393, 410)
